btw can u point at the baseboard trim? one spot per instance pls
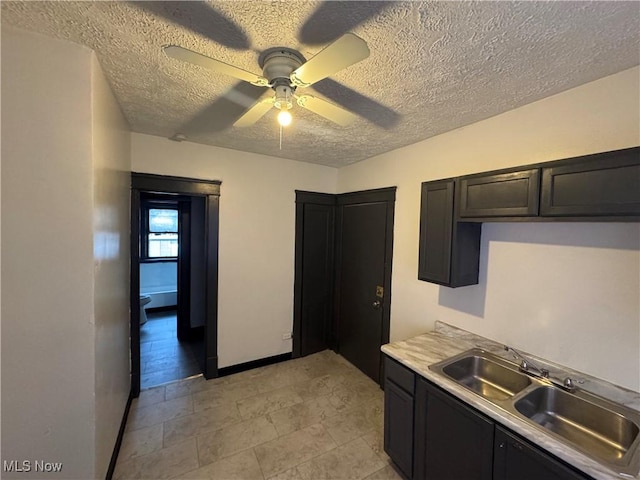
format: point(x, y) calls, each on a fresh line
point(116, 448)
point(261, 362)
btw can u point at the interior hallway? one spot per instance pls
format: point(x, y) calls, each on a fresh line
point(316, 417)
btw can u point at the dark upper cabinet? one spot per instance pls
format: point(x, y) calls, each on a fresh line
point(595, 185)
point(398, 415)
point(449, 251)
point(516, 458)
point(600, 187)
point(512, 194)
point(456, 442)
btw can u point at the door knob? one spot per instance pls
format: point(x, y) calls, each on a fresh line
point(377, 304)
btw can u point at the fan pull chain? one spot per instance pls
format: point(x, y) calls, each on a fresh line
point(280, 137)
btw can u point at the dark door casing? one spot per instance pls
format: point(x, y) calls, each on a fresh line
point(207, 193)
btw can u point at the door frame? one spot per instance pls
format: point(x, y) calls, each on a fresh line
point(379, 195)
point(210, 189)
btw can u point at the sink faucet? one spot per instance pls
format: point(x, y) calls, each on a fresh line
point(528, 366)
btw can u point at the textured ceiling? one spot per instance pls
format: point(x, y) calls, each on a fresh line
point(434, 66)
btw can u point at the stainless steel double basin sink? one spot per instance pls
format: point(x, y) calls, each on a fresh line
point(603, 430)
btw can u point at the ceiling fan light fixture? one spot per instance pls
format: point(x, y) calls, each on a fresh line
point(284, 118)
point(282, 100)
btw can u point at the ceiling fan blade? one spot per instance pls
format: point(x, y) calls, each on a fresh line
point(342, 53)
point(200, 18)
point(185, 55)
point(361, 105)
point(255, 113)
point(333, 19)
point(326, 109)
point(221, 114)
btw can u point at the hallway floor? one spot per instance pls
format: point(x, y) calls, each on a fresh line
point(311, 418)
point(162, 357)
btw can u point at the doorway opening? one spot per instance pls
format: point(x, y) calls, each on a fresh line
point(174, 277)
point(167, 352)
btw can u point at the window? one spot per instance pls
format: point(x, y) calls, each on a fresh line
point(161, 233)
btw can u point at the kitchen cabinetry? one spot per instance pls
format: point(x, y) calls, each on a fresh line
point(500, 195)
point(449, 251)
point(605, 184)
point(399, 385)
point(516, 458)
point(431, 435)
point(600, 187)
point(457, 441)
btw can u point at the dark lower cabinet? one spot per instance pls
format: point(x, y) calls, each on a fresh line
point(516, 459)
point(459, 441)
point(431, 435)
point(398, 414)
point(398, 432)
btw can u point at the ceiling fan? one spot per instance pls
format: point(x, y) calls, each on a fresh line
point(285, 70)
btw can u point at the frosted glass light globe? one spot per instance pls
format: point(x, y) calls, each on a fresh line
point(284, 118)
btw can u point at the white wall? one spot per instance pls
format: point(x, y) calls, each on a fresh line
point(47, 258)
point(111, 251)
point(257, 234)
point(158, 277)
point(65, 254)
point(159, 280)
point(567, 292)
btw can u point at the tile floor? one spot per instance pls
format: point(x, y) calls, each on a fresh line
point(311, 418)
point(162, 357)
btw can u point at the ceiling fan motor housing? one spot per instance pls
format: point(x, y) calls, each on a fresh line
point(277, 65)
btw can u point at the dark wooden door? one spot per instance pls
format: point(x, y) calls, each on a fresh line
point(365, 245)
point(314, 272)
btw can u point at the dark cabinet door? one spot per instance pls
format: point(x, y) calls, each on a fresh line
point(458, 444)
point(448, 253)
point(602, 184)
point(399, 385)
point(398, 427)
point(500, 195)
point(436, 224)
point(516, 459)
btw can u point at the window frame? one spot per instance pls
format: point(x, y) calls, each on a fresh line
point(146, 205)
